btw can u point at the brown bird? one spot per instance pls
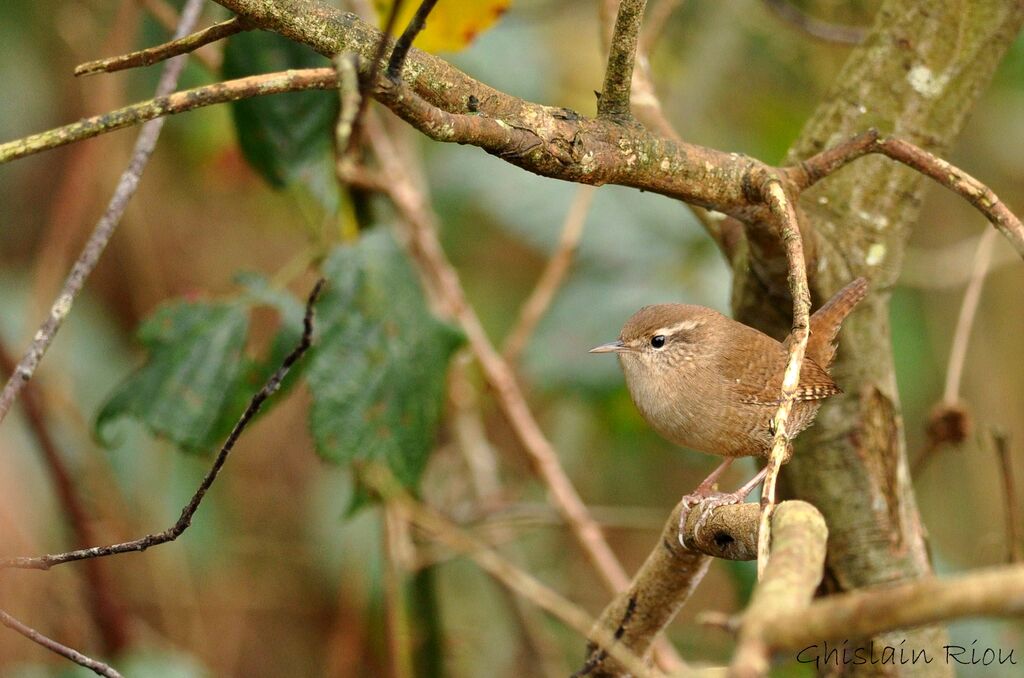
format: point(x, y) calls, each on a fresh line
point(710, 383)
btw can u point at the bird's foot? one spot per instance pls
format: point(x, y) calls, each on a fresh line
point(708, 500)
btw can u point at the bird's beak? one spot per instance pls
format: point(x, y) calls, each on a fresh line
point(610, 347)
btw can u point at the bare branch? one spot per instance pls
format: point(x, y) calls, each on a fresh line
point(534, 308)
point(179, 102)
point(185, 520)
point(817, 167)
point(996, 591)
point(793, 573)
point(104, 229)
point(153, 55)
point(618, 77)
point(52, 645)
point(784, 215)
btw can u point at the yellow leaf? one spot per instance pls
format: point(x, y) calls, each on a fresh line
point(452, 24)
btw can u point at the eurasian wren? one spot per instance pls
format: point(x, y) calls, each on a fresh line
point(709, 383)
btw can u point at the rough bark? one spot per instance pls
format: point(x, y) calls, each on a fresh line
point(917, 76)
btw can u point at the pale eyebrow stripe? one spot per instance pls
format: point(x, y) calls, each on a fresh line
point(682, 326)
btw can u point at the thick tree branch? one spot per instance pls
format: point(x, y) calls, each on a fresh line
point(671, 572)
point(787, 586)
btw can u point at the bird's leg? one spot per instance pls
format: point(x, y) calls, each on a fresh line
point(709, 501)
point(703, 491)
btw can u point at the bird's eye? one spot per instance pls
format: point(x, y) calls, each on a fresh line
point(658, 340)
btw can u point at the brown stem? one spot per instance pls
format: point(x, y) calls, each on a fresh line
point(618, 76)
point(819, 166)
point(153, 55)
point(108, 615)
point(816, 28)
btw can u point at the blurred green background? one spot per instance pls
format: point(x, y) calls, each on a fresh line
point(271, 579)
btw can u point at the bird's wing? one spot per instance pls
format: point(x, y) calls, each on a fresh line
point(755, 373)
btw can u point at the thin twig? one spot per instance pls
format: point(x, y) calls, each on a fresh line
point(816, 28)
point(364, 86)
point(107, 614)
point(106, 226)
point(817, 167)
point(185, 520)
point(551, 278)
point(1014, 534)
point(965, 321)
point(784, 214)
point(404, 42)
point(52, 645)
point(618, 76)
point(179, 102)
point(395, 600)
point(380, 480)
point(167, 16)
point(153, 55)
point(442, 277)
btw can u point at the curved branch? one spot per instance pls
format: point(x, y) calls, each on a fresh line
point(821, 165)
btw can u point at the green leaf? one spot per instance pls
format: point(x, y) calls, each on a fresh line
point(197, 381)
point(378, 372)
point(195, 359)
point(287, 138)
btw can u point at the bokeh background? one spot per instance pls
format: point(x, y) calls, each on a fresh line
point(272, 579)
